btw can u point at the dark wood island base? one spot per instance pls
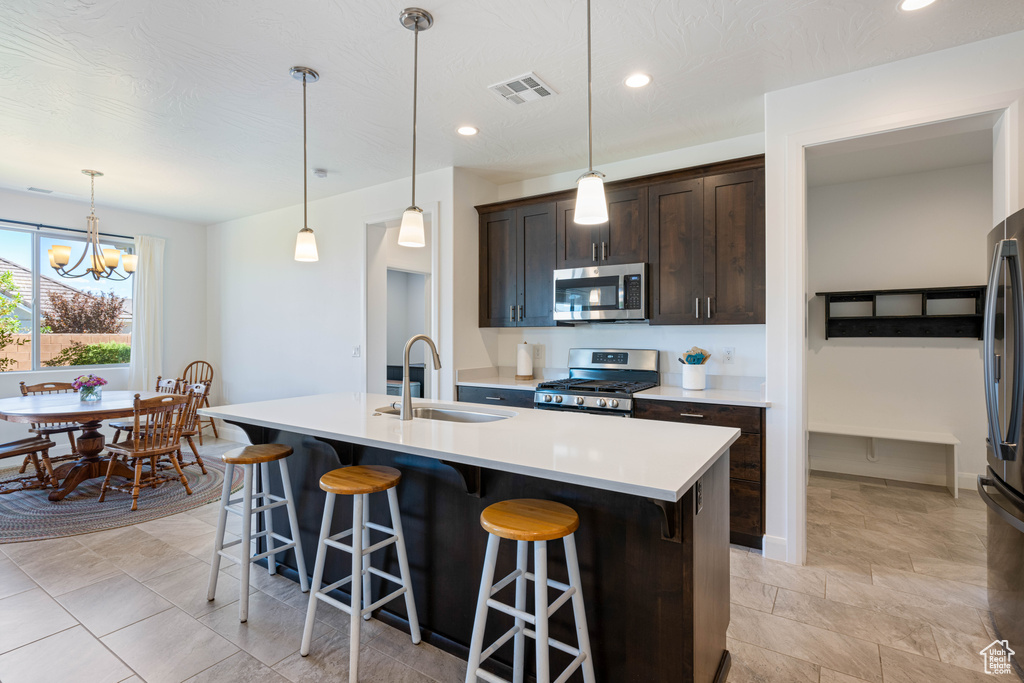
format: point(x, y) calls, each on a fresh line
point(655, 573)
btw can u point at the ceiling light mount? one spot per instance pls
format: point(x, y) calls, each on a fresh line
point(414, 18)
point(304, 72)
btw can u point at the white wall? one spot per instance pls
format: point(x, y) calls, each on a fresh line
point(184, 285)
point(977, 77)
point(917, 230)
point(282, 328)
point(406, 315)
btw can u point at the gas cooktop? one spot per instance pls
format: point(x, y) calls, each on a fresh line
point(601, 380)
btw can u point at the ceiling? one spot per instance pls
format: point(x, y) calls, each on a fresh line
point(188, 107)
point(959, 142)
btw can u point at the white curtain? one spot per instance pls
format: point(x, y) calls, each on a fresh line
point(147, 314)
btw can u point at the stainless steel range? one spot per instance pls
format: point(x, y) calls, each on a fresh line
point(600, 381)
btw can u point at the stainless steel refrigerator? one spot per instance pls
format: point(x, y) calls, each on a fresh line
point(1002, 487)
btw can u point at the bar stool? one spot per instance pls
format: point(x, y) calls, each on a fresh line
point(247, 457)
point(530, 521)
point(358, 482)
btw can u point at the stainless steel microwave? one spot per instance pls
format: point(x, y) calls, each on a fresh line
point(602, 293)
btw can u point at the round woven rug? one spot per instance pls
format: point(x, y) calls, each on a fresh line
point(30, 516)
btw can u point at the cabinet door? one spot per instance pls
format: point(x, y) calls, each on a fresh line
point(536, 226)
point(676, 222)
point(511, 398)
point(498, 269)
point(734, 259)
point(623, 238)
point(577, 244)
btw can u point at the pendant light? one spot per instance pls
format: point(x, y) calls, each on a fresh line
point(591, 205)
point(305, 241)
point(411, 233)
point(102, 263)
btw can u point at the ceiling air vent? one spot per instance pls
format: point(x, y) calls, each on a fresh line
point(523, 89)
point(40, 190)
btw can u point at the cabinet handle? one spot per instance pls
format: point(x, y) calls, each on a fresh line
point(604, 251)
point(593, 250)
point(520, 311)
point(709, 308)
point(494, 398)
point(512, 313)
point(696, 308)
point(699, 417)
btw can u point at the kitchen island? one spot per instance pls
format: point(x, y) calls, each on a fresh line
point(652, 500)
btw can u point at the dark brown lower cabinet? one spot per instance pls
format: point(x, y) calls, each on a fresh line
point(746, 458)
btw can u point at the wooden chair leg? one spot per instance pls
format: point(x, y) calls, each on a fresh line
point(24, 465)
point(181, 475)
point(195, 451)
point(117, 435)
point(74, 446)
point(38, 469)
point(48, 466)
point(137, 485)
point(106, 480)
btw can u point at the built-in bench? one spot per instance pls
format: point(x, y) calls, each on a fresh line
point(873, 433)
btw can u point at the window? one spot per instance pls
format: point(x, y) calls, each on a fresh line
point(47, 320)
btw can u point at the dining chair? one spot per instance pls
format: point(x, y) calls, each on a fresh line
point(36, 450)
point(45, 429)
point(163, 386)
point(155, 437)
point(195, 372)
point(190, 423)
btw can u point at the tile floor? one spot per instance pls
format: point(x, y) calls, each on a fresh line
point(894, 592)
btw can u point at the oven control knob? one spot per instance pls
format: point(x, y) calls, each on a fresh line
point(547, 398)
point(615, 403)
point(579, 400)
point(558, 399)
point(601, 403)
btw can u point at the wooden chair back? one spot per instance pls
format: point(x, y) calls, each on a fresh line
point(168, 386)
point(197, 371)
point(47, 388)
point(158, 424)
point(197, 394)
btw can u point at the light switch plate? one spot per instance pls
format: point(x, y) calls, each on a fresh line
point(357, 351)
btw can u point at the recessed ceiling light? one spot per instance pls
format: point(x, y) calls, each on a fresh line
point(467, 130)
point(639, 80)
point(911, 5)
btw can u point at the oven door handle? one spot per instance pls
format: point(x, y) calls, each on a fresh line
point(1004, 514)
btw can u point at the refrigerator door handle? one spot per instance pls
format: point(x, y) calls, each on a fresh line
point(1004, 450)
point(1007, 516)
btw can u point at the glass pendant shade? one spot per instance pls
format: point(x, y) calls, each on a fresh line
point(411, 233)
point(591, 206)
point(112, 257)
point(130, 262)
point(53, 263)
point(61, 254)
point(305, 246)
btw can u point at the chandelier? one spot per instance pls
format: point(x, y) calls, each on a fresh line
point(101, 263)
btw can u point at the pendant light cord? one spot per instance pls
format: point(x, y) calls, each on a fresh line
point(415, 85)
point(305, 180)
point(590, 104)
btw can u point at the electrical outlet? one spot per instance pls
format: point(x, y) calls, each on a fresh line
point(729, 355)
point(538, 354)
point(357, 351)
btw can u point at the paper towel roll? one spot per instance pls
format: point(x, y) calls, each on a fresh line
point(524, 361)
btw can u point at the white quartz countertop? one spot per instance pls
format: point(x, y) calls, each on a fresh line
point(732, 397)
point(654, 459)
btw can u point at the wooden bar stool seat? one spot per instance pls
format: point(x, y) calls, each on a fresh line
point(360, 481)
point(529, 521)
point(248, 458)
point(256, 455)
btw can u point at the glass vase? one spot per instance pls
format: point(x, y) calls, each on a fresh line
point(89, 394)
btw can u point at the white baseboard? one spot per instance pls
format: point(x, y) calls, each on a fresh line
point(966, 480)
point(775, 548)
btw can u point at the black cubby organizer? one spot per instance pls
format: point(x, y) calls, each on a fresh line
point(923, 325)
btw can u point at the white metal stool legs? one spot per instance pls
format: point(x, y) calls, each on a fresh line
point(361, 605)
point(245, 556)
point(582, 656)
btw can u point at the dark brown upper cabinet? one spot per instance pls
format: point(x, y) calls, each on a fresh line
point(701, 230)
point(517, 259)
point(707, 250)
point(623, 239)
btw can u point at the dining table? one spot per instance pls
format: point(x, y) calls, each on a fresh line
point(90, 414)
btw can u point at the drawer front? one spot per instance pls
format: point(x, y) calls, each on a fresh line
point(745, 507)
point(745, 458)
point(512, 398)
point(745, 418)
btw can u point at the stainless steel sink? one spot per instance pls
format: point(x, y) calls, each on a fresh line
point(447, 414)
